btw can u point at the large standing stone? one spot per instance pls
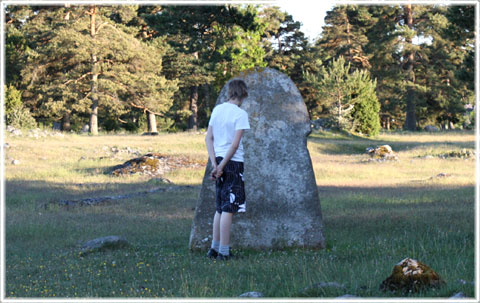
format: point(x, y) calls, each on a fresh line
point(283, 207)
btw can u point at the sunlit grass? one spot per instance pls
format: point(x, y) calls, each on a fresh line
point(375, 214)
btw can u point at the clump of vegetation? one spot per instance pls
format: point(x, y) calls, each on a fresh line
point(17, 115)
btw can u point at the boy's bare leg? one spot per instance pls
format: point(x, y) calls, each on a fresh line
point(216, 227)
point(212, 253)
point(225, 225)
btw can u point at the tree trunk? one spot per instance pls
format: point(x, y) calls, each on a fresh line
point(339, 111)
point(152, 122)
point(206, 90)
point(94, 93)
point(349, 42)
point(411, 119)
point(66, 122)
point(451, 125)
point(193, 121)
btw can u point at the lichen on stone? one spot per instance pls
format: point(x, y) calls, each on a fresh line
point(381, 153)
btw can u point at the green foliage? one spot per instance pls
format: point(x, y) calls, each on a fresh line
point(366, 106)
point(209, 44)
point(58, 75)
point(344, 34)
point(20, 117)
point(351, 98)
point(16, 114)
point(173, 60)
point(13, 99)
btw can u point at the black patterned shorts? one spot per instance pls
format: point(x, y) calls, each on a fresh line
point(230, 188)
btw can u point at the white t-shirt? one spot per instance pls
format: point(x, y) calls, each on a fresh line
point(226, 119)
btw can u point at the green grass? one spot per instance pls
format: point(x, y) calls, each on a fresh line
point(375, 215)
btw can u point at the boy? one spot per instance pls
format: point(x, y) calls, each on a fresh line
point(225, 150)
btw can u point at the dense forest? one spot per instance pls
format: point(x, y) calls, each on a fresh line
point(160, 68)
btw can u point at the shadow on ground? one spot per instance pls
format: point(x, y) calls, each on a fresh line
point(358, 146)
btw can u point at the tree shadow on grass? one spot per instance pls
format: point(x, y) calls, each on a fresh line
point(377, 209)
point(43, 192)
point(358, 146)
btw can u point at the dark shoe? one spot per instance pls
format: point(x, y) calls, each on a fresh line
point(221, 257)
point(212, 253)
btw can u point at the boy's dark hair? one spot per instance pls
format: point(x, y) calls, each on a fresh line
point(237, 89)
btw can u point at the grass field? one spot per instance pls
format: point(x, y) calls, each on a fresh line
point(375, 215)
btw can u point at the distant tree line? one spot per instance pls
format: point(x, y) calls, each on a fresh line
point(136, 67)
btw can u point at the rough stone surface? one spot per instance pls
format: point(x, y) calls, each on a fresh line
point(282, 203)
point(252, 294)
point(463, 153)
point(151, 164)
point(411, 276)
point(459, 295)
point(109, 242)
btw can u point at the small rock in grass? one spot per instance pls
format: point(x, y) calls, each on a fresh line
point(431, 128)
point(6, 145)
point(463, 282)
point(347, 296)
point(458, 295)
point(252, 294)
point(109, 242)
point(16, 162)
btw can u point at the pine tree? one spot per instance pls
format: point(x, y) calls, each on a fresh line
point(385, 61)
point(198, 32)
point(90, 59)
point(288, 50)
point(344, 34)
point(365, 113)
point(351, 98)
point(400, 43)
point(238, 49)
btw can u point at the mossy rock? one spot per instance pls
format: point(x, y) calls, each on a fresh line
point(151, 163)
point(103, 244)
point(383, 152)
point(155, 164)
point(463, 154)
point(411, 276)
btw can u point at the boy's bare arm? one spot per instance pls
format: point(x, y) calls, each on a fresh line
point(231, 151)
point(211, 150)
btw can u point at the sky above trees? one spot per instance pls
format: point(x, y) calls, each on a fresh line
point(310, 14)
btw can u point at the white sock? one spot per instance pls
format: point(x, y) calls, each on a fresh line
point(216, 245)
point(224, 250)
